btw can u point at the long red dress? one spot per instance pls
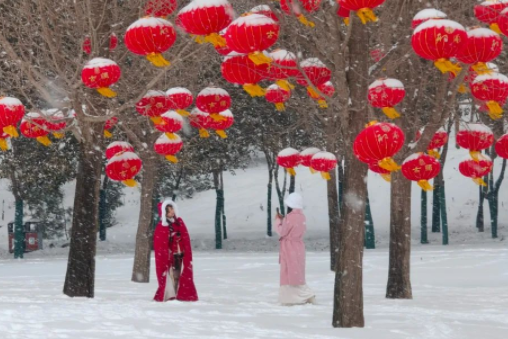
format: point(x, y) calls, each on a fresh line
point(171, 238)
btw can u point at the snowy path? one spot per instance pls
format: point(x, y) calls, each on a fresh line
point(458, 293)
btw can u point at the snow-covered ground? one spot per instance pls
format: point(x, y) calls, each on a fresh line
point(458, 293)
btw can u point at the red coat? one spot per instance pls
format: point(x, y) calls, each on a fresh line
point(164, 250)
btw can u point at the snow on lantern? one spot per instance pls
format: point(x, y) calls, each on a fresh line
point(439, 40)
point(316, 72)
point(205, 19)
point(33, 126)
point(474, 137)
point(118, 147)
point(171, 122)
point(224, 122)
point(252, 34)
point(160, 8)
point(439, 139)
point(386, 175)
point(168, 147)
point(493, 89)
point(266, 11)
point(153, 104)
point(278, 96)
point(327, 89)
point(426, 15)
point(200, 120)
point(421, 168)
point(11, 112)
point(476, 169)
point(239, 69)
point(488, 12)
point(4, 145)
point(100, 74)
point(378, 143)
point(344, 13)
point(306, 157)
point(284, 66)
point(289, 158)
point(482, 45)
point(363, 8)
point(324, 162)
point(213, 100)
point(502, 147)
point(180, 98)
point(124, 167)
point(108, 125)
point(297, 7)
point(151, 37)
point(385, 94)
point(55, 122)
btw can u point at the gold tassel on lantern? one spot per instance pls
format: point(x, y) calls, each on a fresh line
point(199, 39)
point(495, 110)
point(313, 171)
point(44, 140)
point(157, 60)
point(305, 21)
point(475, 155)
point(279, 106)
point(389, 164)
point(254, 90)
point(203, 133)
point(387, 177)
point(462, 89)
point(322, 103)
point(391, 112)
point(366, 15)
point(433, 153)
point(58, 135)
point(216, 40)
point(11, 131)
point(291, 171)
point(130, 183)
point(425, 185)
point(312, 92)
point(172, 158)
point(259, 58)
point(156, 120)
point(479, 181)
point(171, 136)
point(495, 28)
point(106, 92)
point(371, 123)
point(107, 134)
point(284, 84)
point(3, 144)
point(445, 65)
point(217, 117)
point(346, 21)
point(182, 112)
point(325, 175)
point(221, 133)
point(481, 68)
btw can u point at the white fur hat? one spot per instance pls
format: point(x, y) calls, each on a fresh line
point(294, 200)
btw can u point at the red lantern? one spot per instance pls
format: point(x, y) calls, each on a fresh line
point(124, 167)
point(87, 45)
point(180, 98)
point(113, 42)
point(153, 104)
point(118, 147)
point(327, 89)
point(502, 147)
point(151, 37)
point(363, 8)
point(324, 162)
point(266, 11)
point(33, 126)
point(386, 175)
point(55, 122)
point(160, 8)
point(239, 69)
point(306, 157)
point(4, 146)
point(99, 74)
point(501, 25)
point(278, 96)
point(377, 54)
point(475, 138)
point(225, 120)
point(11, 112)
point(206, 19)
point(252, 34)
point(476, 169)
point(213, 100)
point(439, 40)
point(378, 143)
point(284, 65)
point(482, 45)
point(385, 94)
point(344, 13)
point(489, 11)
point(439, 139)
point(200, 120)
point(296, 8)
point(289, 158)
point(171, 122)
point(493, 89)
point(168, 147)
point(317, 73)
point(109, 124)
point(421, 168)
point(426, 15)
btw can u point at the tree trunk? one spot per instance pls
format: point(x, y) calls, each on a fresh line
point(399, 280)
point(480, 220)
point(370, 239)
point(444, 215)
point(80, 276)
point(494, 199)
point(423, 218)
point(333, 218)
point(223, 210)
point(436, 207)
point(218, 211)
point(269, 204)
point(141, 266)
point(292, 184)
point(104, 219)
point(280, 195)
point(19, 233)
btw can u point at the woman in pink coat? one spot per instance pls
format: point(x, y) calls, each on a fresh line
point(293, 289)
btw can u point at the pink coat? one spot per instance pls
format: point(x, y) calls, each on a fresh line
point(292, 249)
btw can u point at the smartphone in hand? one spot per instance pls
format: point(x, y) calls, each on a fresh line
point(278, 213)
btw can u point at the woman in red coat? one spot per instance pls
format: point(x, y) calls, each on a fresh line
point(173, 257)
